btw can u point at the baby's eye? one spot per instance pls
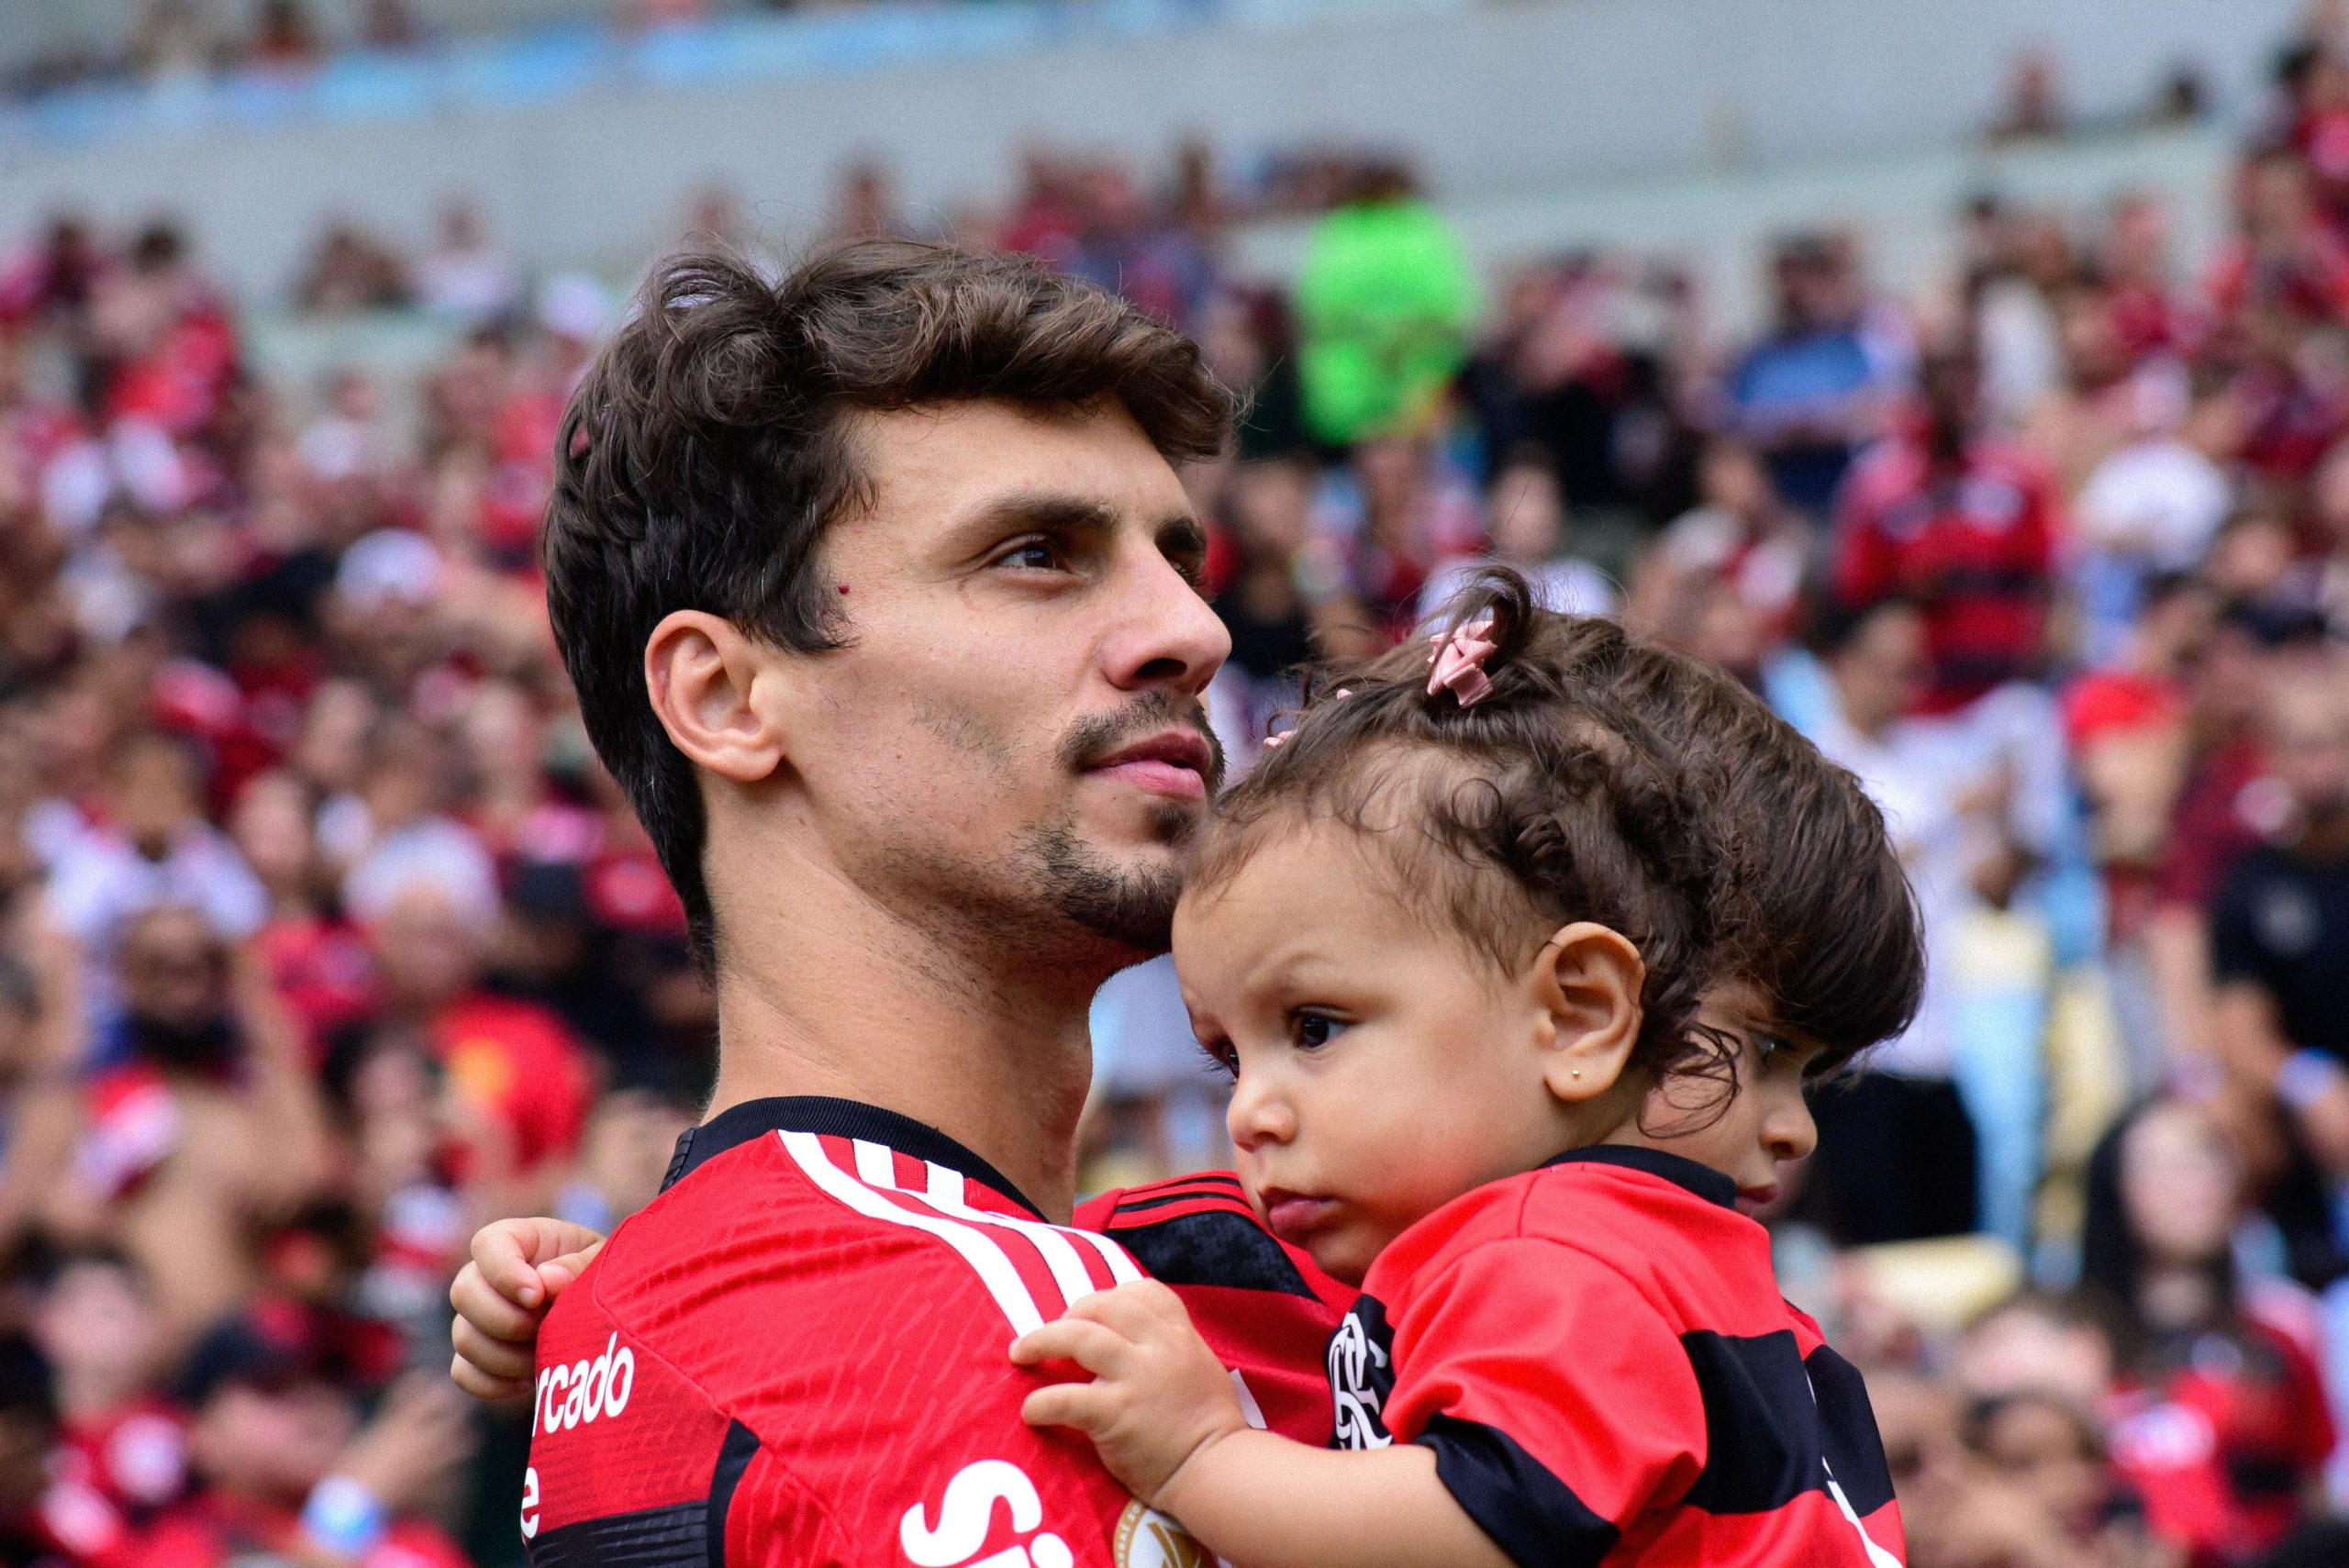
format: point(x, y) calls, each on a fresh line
point(1312, 1031)
point(1223, 1057)
point(1777, 1051)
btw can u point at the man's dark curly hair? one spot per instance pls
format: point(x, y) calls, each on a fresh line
point(708, 448)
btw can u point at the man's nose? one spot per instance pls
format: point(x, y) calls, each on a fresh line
point(1166, 636)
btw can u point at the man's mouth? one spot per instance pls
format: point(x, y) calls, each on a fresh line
point(1171, 763)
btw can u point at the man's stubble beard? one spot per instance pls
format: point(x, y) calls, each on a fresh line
point(1068, 905)
point(1129, 905)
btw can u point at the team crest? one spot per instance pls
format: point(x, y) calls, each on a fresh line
point(1362, 1376)
point(1147, 1539)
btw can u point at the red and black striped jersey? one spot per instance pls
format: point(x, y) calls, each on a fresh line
point(797, 1355)
point(1260, 1302)
point(1598, 1355)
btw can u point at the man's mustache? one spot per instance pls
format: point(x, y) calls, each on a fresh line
point(1089, 740)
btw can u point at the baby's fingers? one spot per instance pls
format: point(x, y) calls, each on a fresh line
point(1085, 1405)
point(1095, 1348)
point(1142, 1307)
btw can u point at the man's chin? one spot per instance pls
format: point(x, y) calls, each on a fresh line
point(1123, 893)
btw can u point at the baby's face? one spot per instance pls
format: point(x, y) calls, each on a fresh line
point(1382, 1067)
point(1765, 1126)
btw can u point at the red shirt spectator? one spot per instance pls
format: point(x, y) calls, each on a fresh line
point(1973, 544)
point(517, 1061)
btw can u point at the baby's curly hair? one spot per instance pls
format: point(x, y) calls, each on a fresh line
point(1545, 803)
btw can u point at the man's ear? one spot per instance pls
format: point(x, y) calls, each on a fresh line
point(714, 691)
point(1587, 980)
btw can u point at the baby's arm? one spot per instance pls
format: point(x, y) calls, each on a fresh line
point(1163, 1412)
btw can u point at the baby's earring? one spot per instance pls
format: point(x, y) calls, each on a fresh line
point(1577, 1072)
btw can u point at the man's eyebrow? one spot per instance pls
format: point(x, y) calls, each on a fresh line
point(1182, 534)
point(1046, 511)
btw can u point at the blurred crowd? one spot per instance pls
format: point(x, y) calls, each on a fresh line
point(180, 40)
point(324, 938)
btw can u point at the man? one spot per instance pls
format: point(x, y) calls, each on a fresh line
point(286, 1471)
point(1897, 1155)
point(918, 775)
point(1808, 395)
point(201, 1119)
point(2280, 929)
point(1963, 526)
point(879, 590)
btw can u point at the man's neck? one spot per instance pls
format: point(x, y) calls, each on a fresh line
point(850, 1002)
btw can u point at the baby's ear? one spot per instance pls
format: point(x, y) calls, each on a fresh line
point(1589, 977)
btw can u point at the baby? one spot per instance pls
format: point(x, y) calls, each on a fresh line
point(1468, 942)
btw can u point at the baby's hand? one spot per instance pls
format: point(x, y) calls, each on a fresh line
point(1158, 1395)
point(518, 1267)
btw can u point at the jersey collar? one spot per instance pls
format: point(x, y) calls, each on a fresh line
point(1702, 1180)
point(740, 1124)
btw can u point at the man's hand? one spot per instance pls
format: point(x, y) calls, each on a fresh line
point(1158, 1397)
point(518, 1267)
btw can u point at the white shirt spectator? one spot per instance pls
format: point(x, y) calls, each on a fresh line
point(2161, 500)
point(99, 881)
point(434, 852)
point(1913, 773)
point(1567, 586)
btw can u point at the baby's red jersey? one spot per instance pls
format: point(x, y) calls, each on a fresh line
point(797, 1354)
point(1598, 1355)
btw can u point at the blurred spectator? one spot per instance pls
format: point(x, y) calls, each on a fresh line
point(1740, 535)
point(154, 847)
point(1385, 304)
point(2153, 506)
point(2035, 108)
point(173, 38)
point(464, 277)
point(94, 1319)
point(287, 1471)
point(1811, 393)
point(351, 271)
point(2223, 1428)
point(1527, 533)
point(201, 1119)
point(1898, 1153)
point(1121, 243)
point(284, 38)
point(864, 206)
point(1964, 526)
point(389, 24)
point(2280, 931)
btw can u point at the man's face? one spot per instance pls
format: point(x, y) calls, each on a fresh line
point(1012, 744)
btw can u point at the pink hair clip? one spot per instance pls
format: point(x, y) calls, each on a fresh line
point(1459, 660)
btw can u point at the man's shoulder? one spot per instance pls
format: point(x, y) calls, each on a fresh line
point(794, 1306)
point(1200, 1231)
point(795, 1250)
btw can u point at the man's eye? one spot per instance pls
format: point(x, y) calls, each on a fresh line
point(1032, 555)
point(1313, 1030)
